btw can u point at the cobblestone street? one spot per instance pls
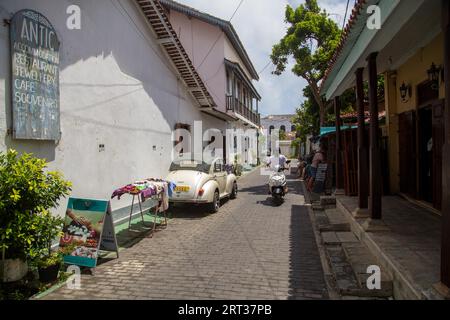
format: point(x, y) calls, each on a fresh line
point(249, 250)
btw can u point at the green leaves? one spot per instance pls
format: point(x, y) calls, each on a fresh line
point(15, 196)
point(27, 193)
point(311, 40)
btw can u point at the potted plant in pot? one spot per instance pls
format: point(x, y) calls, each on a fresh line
point(49, 266)
point(48, 261)
point(27, 192)
point(237, 166)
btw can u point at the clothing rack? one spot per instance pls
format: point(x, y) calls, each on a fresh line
point(148, 189)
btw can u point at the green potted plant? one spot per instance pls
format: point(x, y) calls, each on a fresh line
point(27, 192)
point(49, 261)
point(237, 166)
point(49, 266)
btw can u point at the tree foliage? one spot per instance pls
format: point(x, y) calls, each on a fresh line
point(307, 117)
point(311, 40)
point(27, 194)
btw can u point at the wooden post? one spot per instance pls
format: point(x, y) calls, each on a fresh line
point(339, 166)
point(375, 166)
point(363, 168)
point(445, 245)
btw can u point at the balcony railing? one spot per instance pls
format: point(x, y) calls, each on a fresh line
point(233, 104)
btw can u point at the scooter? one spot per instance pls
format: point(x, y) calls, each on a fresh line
point(278, 185)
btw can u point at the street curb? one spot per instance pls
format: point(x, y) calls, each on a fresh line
point(404, 289)
point(45, 293)
point(50, 290)
point(328, 275)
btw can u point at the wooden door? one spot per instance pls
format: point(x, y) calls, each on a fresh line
point(438, 142)
point(407, 153)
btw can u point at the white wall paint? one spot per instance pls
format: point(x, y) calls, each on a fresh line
point(115, 90)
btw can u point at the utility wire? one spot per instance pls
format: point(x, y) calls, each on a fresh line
point(215, 42)
point(264, 69)
point(235, 11)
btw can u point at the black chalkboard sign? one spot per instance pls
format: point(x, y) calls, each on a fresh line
point(35, 77)
point(321, 177)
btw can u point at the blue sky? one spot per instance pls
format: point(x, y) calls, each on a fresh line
point(260, 24)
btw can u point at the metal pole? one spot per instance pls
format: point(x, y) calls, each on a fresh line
point(131, 212)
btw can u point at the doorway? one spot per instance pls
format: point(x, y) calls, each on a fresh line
point(438, 144)
point(407, 153)
point(430, 133)
point(430, 143)
point(425, 147)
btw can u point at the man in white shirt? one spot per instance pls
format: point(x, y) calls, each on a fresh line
point(274, 161)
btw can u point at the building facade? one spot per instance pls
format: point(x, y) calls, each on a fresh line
point(219, 56)
point(282, 123)
point(122, 92)
point(411, 51)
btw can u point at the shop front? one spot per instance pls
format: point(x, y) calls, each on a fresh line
point(102, 101)
point(412, 51)
point(418, 117)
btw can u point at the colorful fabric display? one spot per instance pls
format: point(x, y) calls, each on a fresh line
point(147, 189)
point(128, 189)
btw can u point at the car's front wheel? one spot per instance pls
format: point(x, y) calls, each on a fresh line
point(215, 205)
point(234, 192)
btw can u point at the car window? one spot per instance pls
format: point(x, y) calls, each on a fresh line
point(190, 166)
point(218, 166)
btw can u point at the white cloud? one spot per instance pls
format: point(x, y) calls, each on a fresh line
point(260, 24)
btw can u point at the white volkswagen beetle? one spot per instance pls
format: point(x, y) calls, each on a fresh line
point(201, 183)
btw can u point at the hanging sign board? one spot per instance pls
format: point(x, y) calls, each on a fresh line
point(35, 77)
point(321, 176)
point(88, 228)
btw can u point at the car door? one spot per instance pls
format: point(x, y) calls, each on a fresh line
point(220, 176)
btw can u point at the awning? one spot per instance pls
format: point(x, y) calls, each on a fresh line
point(406, 27)
point(327, 130)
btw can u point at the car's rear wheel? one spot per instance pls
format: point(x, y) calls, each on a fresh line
point(215, 205)
point(234, 192)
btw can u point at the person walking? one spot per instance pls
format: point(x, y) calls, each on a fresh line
point(319, 158)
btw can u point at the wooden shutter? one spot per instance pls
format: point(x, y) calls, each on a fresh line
point(438, 142)
point(407, 153)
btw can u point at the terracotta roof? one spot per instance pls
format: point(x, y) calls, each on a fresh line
point(352, 115)
point(280, 117)
point(356, 12)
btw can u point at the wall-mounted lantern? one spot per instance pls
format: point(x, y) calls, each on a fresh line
point(433, 76)
point(405, 92)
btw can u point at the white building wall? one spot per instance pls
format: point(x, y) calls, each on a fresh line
point(276, 123)
point(232, 55)
point(117, 89)
point(247, 148)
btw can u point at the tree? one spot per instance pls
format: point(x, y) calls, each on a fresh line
point(307, 117)
point(311, 40)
